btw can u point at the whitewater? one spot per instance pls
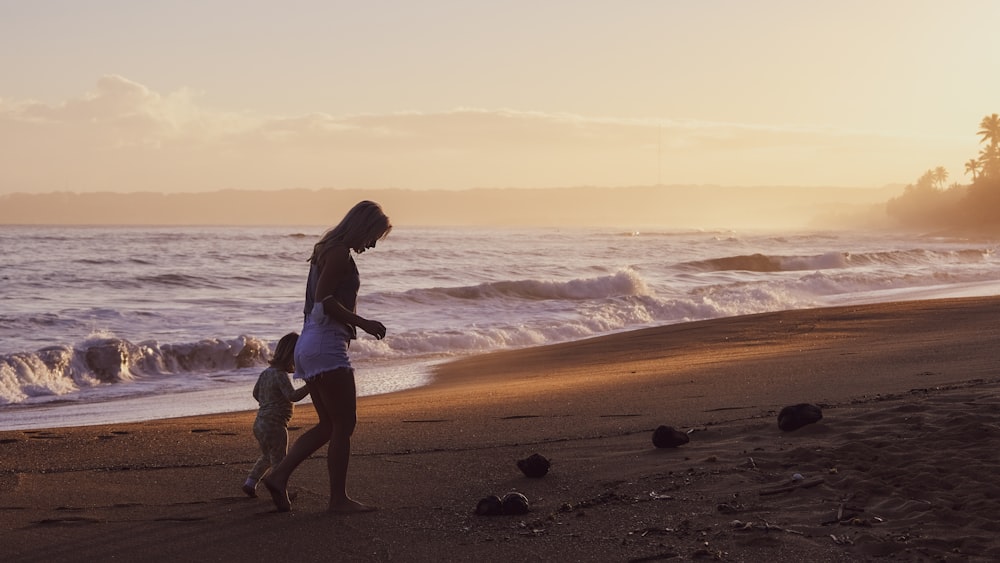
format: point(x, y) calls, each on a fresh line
point(105, 325)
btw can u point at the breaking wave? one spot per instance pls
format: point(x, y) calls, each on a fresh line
point(60, 370)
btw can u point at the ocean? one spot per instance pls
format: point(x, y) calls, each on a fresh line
point(106, 325)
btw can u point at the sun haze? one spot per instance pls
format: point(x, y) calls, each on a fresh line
point(192, 97)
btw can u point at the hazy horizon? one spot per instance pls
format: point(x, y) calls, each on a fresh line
point(197, 98)
point(630, 208)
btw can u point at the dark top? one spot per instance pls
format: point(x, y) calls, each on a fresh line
point(346, 293)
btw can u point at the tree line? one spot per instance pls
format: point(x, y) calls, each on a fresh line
point(973, 207)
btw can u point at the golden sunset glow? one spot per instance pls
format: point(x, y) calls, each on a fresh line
point(192, 97)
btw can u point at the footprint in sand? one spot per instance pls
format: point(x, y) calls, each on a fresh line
point(69, 521)
point(214, 431)
point(47, 437)
point(179, 519)
point(113, 434)
point(426, 420)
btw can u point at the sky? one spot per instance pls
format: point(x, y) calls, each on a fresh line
point(194, 96)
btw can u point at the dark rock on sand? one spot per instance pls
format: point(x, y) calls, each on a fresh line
point(669, 437)
point(489, 506)
point(796, 416)
point(534, 466)
point(515, 503)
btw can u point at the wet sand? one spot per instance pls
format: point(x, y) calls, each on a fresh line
point(902, 466)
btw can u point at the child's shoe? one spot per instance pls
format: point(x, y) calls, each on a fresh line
point(250, 488)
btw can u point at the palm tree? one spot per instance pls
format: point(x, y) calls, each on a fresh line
point(989, 129)
point(926, 181)
point(989, 157)
point(989, 161)
point(972, 165)
point(940, 176)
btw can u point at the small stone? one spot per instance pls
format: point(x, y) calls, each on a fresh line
point(669, 437)
point(796, 416)
point(534, 466)
point(489, 506)
point(515, 503)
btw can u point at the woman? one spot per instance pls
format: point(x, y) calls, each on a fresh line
point(321, 353)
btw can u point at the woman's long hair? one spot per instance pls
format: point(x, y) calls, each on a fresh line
point(365, 222)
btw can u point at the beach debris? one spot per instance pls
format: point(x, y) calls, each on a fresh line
point(841, 540)
point(491, 505)
point(727, 508)
point(804, 484)
point(651, 530)
point(669, 437)
point(794, 417)
point(851, 516)
point(764, 525)
point(534, 466)
point(510, 504)
point(515, 503)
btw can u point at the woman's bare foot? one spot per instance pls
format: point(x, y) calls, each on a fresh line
point(278, 494)
point(349, 506)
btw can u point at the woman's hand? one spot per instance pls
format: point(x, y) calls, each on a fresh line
point(373, 328)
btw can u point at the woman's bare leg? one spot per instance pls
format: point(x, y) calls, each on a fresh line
point(340, 395)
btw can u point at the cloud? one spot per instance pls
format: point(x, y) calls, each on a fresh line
point(124, 136)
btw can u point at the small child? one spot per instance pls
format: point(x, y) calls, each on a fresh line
point(275, 395)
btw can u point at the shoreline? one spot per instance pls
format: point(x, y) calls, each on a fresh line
point(372, 381)
point(203, 402)
point(906, 389)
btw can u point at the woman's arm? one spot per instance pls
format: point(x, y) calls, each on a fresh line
point(292, 394)
point(333, 269)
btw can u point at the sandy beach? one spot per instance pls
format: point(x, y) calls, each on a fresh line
point(902, 465)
